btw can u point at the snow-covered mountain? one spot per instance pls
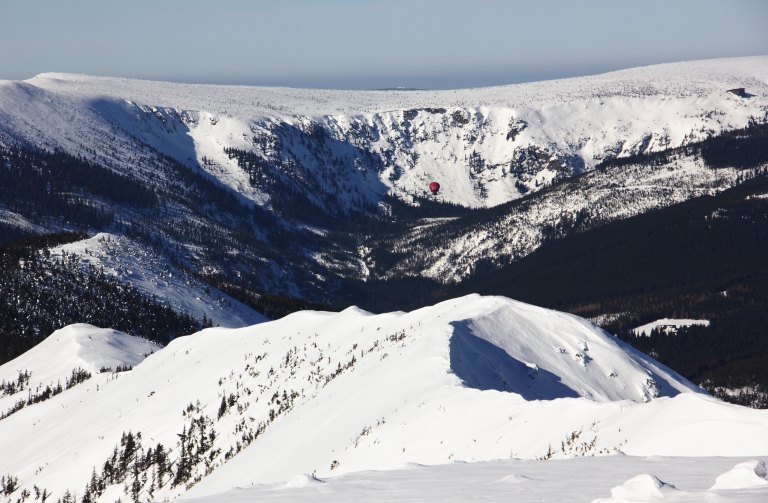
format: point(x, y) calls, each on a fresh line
point(319, 161)
point(470, 379)
point(348, 148)
point(320, 194)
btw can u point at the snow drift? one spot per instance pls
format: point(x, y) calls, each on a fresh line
point(78, 346)
point(641, 488)
point(747, 474)
point(521, 481)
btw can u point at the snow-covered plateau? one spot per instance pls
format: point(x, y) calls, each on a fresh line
point(485, 146)
point(314, 156)
point(481, 392)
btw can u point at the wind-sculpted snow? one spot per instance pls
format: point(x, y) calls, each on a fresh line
point(748, 474)
point(64, 358)
point(79, 345)
point(543, 355)
point(334, 393)
point(642, 488)
point(481, 365)
point(585, 480)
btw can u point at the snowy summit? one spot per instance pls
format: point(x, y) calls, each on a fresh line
point(467, 380)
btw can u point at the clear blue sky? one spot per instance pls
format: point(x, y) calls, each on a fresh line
point(369, 44)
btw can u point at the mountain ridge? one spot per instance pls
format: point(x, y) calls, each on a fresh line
point(283, 167)
point(403, 377)
point(189, 128)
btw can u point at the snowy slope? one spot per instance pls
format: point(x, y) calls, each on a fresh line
point(79, 346)
point(485, 146)
point(471, 379)
point(669, 326)
point(130, 262)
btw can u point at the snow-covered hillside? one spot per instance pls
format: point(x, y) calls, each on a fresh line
point(471, 379)
point(348, 148)
point(450, 251)
point(44, 371)
point(130, 262)
point(79, 345)
point(667, 325)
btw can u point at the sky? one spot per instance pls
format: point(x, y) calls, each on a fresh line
point(369, 44)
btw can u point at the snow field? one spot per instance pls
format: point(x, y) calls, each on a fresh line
point(335, 394)
point(669, 325)
point(574, 480)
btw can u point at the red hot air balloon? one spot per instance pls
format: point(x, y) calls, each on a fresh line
point(434, 187)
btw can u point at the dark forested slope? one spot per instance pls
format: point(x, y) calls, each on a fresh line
point(40, 294)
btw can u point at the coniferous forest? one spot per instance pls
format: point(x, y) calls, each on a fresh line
point(56, 185)
point(40, 294)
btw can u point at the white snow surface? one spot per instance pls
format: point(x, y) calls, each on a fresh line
point(474, 379)
point(670, 325)
point(750, 473)
point(642, 488)
point(573, 480)
point(75, 346)
point(131, 262)
point(467, 139)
